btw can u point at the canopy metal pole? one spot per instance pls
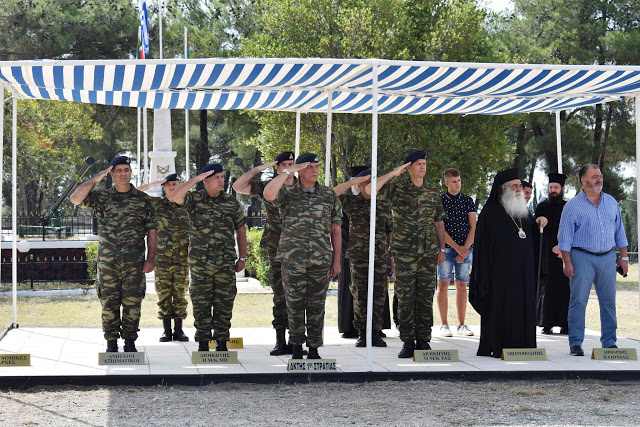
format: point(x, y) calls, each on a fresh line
point(160, 16)
point(1, 160)
point(559, 142)
point(146, 146)
point(638, 175)
point(327, 156)
point(14, 210)
point(138, 148)
point(372, 217)
point(297, 149)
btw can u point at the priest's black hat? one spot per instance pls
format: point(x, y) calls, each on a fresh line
point(285, 155)
point(415, 155)
point(502, 177)
point(557, 177)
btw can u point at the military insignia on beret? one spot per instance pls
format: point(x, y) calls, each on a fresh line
point(120, 160)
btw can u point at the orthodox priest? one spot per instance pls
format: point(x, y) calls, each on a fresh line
point(502, 282)
point(553, 286)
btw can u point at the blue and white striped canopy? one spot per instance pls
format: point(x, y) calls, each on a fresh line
point(306, 84)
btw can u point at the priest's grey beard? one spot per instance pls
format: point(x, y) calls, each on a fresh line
point(514, 203)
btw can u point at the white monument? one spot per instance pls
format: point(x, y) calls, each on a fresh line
point(162, 157)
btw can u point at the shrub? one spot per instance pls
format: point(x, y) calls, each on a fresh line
point(91, 249)
point(257, 263)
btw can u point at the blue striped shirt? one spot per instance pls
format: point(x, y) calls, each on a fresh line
point(594, 228)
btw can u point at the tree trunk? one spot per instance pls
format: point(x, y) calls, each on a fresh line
point(605, 141)
point(597, 135)
point(519, 146)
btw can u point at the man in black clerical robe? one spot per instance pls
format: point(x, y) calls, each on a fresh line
point(502, 283)
point(552, 306)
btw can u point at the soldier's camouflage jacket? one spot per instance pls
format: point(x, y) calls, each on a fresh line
point(173, 232)
point(415, 212)
point(123, 222)
point(358, 209)
point(272, 228)
point(214, 221)
point(307, 218)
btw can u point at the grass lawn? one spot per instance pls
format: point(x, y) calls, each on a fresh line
point(254, 310)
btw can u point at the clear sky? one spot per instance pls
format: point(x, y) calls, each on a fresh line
point(498, 5)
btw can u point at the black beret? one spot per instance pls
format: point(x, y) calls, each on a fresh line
point(307, 157)
point(355, 170)
point(172, 177)
point(557, 177)
point(120, 160)
point(285, 155)
point(364, 173)
point(415, 155)
point(216, 167)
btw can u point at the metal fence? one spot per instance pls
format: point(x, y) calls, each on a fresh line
point(47, 272)
point(81, 224)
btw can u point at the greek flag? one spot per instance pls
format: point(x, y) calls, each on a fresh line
point(144, 24)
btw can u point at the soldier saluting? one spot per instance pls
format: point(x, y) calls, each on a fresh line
point(125, 216)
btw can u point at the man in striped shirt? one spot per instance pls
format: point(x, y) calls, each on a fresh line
point(590, 227)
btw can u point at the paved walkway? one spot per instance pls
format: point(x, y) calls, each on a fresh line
point(72, 353)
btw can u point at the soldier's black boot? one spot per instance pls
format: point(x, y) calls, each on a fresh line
point(422, 345)
point(313, 353)
point(407, 350)
point(221, 345)
point(203, 345)
point(112, 346)
point(130, 346)
point(376, 339)
point(296, 351)
point(178, 334)
point(167, 334)
point(362, 338)
point(281, 344)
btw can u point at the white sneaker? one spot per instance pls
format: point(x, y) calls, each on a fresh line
point(464, 330)
point(445, 331)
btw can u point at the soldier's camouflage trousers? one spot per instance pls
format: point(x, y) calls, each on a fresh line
point(120, 284)
point(212, 290)
point(305, 289)
point(171, 287)
point(414, 286)
point(359, 286)
point(279, 302)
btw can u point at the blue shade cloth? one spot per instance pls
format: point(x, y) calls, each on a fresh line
point(298, 84)
point(596, 229)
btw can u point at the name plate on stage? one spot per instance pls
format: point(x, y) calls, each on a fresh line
point(15, 360)
point(614, 354)
point(133, 358)
point(435, 356)
point(214, 357)
point(523, 354)
point(313, 365)
point(236, 343)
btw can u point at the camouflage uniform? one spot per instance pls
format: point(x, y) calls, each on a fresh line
point(172, 270)
point(212, 256)
point(305, 252)
point(415, 249)
point(124, 220)
point(358, 209)
point(269, 242)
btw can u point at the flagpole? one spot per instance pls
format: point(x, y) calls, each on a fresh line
point(138, 154)
point(160, 13)
point(186, 117)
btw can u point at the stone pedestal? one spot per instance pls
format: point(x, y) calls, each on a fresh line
point(162, 157)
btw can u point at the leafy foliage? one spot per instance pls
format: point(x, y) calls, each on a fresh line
point(257, 262)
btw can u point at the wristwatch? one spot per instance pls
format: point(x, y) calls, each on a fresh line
point(286, 171)
point(624, 258)
point(242, 259)
point(443, 250)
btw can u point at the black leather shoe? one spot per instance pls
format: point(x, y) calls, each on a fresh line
point(422, 345)
point(376, 339)
point(203, 345)
point(221, 345)
point(130, 346)
point(296, 351)
point(382, 334)
point(112, 346)
point(564, 331)
point(613, 346)
point(407, 350)
point(167, 335)
point(350, 334)
point(178, 333)
point(281, 346)
point(547, 330)
point(313, 353)
point(576, 350)
point(362, 339)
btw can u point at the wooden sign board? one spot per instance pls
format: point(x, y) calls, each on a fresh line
point(311, 365)
point(236, 343)
point(15, 360)
point(435, 356)
point(214, 357)
point(614, 354)
point(132, 358)
point(524, 354)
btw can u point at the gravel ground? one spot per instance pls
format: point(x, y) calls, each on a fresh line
point(410, 403)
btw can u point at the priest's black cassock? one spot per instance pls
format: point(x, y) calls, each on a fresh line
point(502, 283)
point(553, 289)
